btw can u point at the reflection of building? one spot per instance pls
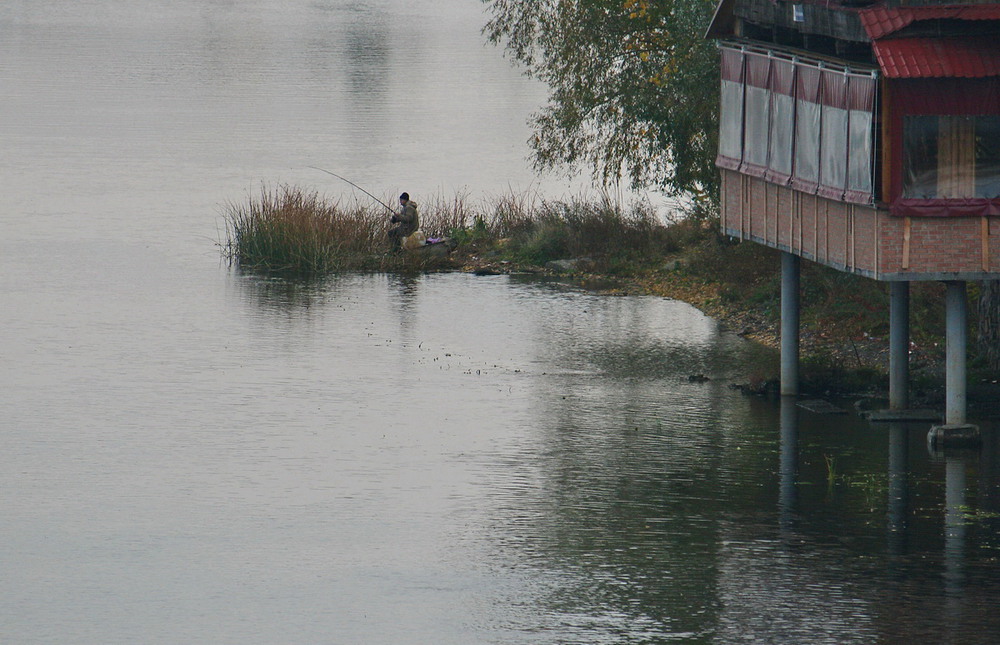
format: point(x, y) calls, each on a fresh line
point(866, 136)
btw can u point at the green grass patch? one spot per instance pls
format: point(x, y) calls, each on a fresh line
point(289, 230)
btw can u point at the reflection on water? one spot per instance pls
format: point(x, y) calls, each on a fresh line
point(193, 455)
point(451, 458)
point(898, 493)
point(626, 524)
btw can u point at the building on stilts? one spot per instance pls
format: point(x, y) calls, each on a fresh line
point(865, 136)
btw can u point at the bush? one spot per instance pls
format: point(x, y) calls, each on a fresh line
point(599, 230)
point(281, 230)
point(294, 231)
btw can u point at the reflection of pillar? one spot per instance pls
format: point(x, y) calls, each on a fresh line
point(989, 475)
point(956, 332)
point(954, 526)
point(899, 345)
point(898, 488)
point(789, 324)
point(789, 469)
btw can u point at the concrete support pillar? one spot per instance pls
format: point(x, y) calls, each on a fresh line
point(956, 335)
point(955, 431)
point(789, 324)
point(899, 345)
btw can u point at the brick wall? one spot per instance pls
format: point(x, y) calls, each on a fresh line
point(859, 239)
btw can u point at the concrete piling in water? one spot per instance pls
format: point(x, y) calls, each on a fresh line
point(899, 345)
point(955, 431)
point(790, 271)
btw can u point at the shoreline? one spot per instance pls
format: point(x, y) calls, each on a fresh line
point(834, 366)
point(843, 348)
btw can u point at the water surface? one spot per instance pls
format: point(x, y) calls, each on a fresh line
point(194, 455)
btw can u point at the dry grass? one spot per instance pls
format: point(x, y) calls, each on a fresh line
point(290, 230)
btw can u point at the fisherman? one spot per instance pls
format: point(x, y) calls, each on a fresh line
point(407, 220)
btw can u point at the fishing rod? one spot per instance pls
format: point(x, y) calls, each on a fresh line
point(387, 207)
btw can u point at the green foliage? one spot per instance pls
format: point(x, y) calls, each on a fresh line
point(851, 304)
point(601, 231)
point(293, 231)
point(823, 373)
point(548, 240)
point(746, 273)
point(633, 88)
point(474, 234)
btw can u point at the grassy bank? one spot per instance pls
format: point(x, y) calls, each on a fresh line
point(295, 232)
point(844, 317)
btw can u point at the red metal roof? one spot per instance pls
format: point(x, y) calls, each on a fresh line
point(882, 21)
point(938, 57)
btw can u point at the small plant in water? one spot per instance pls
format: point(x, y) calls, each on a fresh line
point(874, 487)
point(831, 471)
point(972, 515)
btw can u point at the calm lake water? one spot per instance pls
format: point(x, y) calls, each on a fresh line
point(191, 455)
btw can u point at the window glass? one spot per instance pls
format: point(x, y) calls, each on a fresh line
point(782, 129)
point(807, 120)
point(731, 120)
point(859, 166)
point(920, 157)
point(833, 162)
point(956, 176)
point(988, 156)
point(755, 143)
point(951, 157)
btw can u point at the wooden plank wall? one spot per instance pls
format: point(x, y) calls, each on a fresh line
point(860, 239)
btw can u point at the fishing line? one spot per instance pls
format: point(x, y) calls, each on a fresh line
point(387, 207)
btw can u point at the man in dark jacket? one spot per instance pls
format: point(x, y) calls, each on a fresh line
point(407, 219)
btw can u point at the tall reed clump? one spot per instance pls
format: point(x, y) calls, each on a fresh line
point(291, 230)
point(294, 231)
point(617, 239)
point(487, 223)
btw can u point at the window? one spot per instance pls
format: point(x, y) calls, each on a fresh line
point(757, 125)
point(988, 156)
point(799, 122)
point(782, 124)
point(731, 122)
point(807, 129)
point(833, 135)
point(859, 163)
point(782, 121)
point(860, 139)
point(731, 110)
point(951, 157)
point(757, 119)
point(833, 162)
